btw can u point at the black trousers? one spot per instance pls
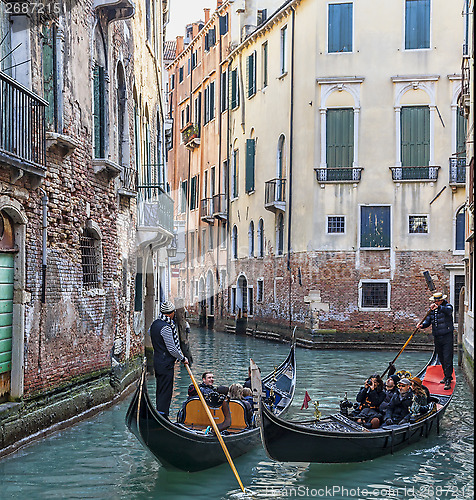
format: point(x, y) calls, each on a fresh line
point(165, 383)
point(444, 349)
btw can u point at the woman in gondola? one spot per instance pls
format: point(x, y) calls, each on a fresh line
point(370, 398)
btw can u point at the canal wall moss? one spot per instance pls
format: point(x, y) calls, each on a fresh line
point(22, 421)
point(468, 368)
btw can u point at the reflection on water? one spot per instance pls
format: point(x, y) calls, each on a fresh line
point(100, 459)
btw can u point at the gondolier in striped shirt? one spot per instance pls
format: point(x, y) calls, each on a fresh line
point(166, 344)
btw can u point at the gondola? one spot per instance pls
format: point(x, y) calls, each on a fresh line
point(339, 439)
point(178, 446)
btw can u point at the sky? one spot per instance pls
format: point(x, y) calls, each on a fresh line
point(183, 12)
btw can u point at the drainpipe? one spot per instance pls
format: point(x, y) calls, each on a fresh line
point(291, 128)
point(44, 205)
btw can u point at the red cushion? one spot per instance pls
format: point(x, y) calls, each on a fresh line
point(432, 379)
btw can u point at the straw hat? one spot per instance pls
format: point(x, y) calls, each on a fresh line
point(438, 296)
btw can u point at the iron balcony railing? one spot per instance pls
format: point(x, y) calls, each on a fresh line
point(155, 208)
point(219, 206)
point(465, 77)
point(338, 174)
point(457, 170)
point(275, 192)
point(415, 173)
point(129, 179)
point(22, 126)
point(206, 209)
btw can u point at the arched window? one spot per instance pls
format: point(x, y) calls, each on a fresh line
point(99, 95)
point(261, 238)
point(234, 242)
point(251, 240)
point(280, 235)
point(91, 258)
point(123, 155)
point(459, 233)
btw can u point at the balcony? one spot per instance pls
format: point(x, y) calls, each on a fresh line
point(155, 216)
point(22, 128)
point(457, 171)
point(275, 195)
point(115, 10)
point(206, 210)
point(128, 182)
point(338, 175)
point(220, 207)
point(418, 174)
point(191, 136)
point(465, 101)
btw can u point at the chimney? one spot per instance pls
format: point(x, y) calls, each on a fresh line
point(195, 28)
point(219, 3)
point(207, 15)
point(179, 45)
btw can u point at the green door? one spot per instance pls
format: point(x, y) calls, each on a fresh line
point(6, 311)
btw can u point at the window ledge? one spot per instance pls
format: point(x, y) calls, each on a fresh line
point(374, 309)
point(94, 292)
point(100, 164)
point(250, 192)
point(282, 75)
point(374, 248)
point(63, 142)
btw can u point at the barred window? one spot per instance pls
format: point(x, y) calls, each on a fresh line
point(336, 224)
point(91, 259)
point(259, 291)
point(417, 224)
point(374, 295)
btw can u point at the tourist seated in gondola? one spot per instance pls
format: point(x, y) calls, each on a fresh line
point(390, 390)
point(370, 398)
point(421, 399)
point(236, 393)
point(399, 406)
point(248, 396)
point(206, 386)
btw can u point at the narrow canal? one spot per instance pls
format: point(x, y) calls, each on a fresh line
point(100, 459)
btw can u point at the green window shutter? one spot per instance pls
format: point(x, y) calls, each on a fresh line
point(460, 133)
point(247, 79)
point(6, 311)
point(415, 136)
point(340, 138)
point(212, 100)
point(49, 79)
point(99, 114)
point(375, 227)
point(250, 165)
point(233, 89)
point(138, 293)
point(265, 64)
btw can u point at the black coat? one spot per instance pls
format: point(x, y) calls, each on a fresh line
point(441, 320)
point(399, 406)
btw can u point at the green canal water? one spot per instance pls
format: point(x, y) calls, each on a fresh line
point(100, 459)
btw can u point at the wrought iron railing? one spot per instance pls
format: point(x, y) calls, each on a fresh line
point(457, 170)
point(415, 173)
point(275, 191)
point(219, 204)
point(206, 208)
point(155, 208)
point(190, 132)
point(465, 76)
point(129, 179)
point(335, 174)
point(22, 123)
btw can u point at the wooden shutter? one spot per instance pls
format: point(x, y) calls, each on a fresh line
point(6, 319)
point(234, 88)
point(99, 112)
point(417, 24)
point(460, 133)
point(49, 79)
point(193, 185)
point(250, 165)
point(340, 138)
point(375, 227)
point(340, 28)
point(415, 136)
point(212, 101)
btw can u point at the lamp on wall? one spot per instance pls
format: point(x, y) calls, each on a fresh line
point(172, 248)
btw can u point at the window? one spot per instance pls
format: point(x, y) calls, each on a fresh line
point(417, 24)
point(284, 51)
point(374, 227)
point(234, 178)
point(99, 112)
point(202, 256)
point(461, 125)
point(184, 196)
point(340, 28)
point(250, 301)
point(50, 76)
point(340, 138)
point(458, 285)
point(417, 224)
point(223, 21)
point(194, 192)
point(172, 82)
point(209, 102)
point(261, 238)
point(261, 16)
point(250, 165)
point(222, 235)
point(251, 74)
point(91, 258)
point(192, 248)
point(280, 235)
point(259, 290)
point(336, 224)
point(138, 287)
point(180, 74)
point(224, 91)
point(459, 236)
point(234, 89)
point(374, 294)
point(210, 39)
point(210, 238)
point(234, 242)
point(265, 63)
point(194, 59)
point(251, 239)
point(415, 136)
point(233, 300)
point(198, 110)
point(148, 20)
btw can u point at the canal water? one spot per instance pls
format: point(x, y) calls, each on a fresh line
point(100, 459)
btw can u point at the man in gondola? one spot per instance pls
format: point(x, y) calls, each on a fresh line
point(166, 344)
point(441, 321)
point(206, 386)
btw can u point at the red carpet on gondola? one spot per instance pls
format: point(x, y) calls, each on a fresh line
point(432, 379)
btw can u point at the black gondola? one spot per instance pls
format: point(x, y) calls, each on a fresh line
point(338, 439)
point(176, 446)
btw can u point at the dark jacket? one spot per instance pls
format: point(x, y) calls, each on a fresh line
point(441, 320)
point(369, 398)
point(399, 407)
point(204, 389)
point(388, 397)
point(166, 346)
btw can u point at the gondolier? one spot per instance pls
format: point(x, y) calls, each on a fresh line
point(441, 321)
point(165, 341)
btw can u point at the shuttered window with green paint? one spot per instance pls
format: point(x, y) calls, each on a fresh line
point(99, 112)
point(234, 89)
point(340, 138)
point(250, 165)
point(417, 24)
point(415, 136)
point(374, 227)
point(6, 311)
point(49, 76)
point(460, 133)
point(251, 74)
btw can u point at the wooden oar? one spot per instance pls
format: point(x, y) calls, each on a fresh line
point(390, 365)
point(215, 428)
